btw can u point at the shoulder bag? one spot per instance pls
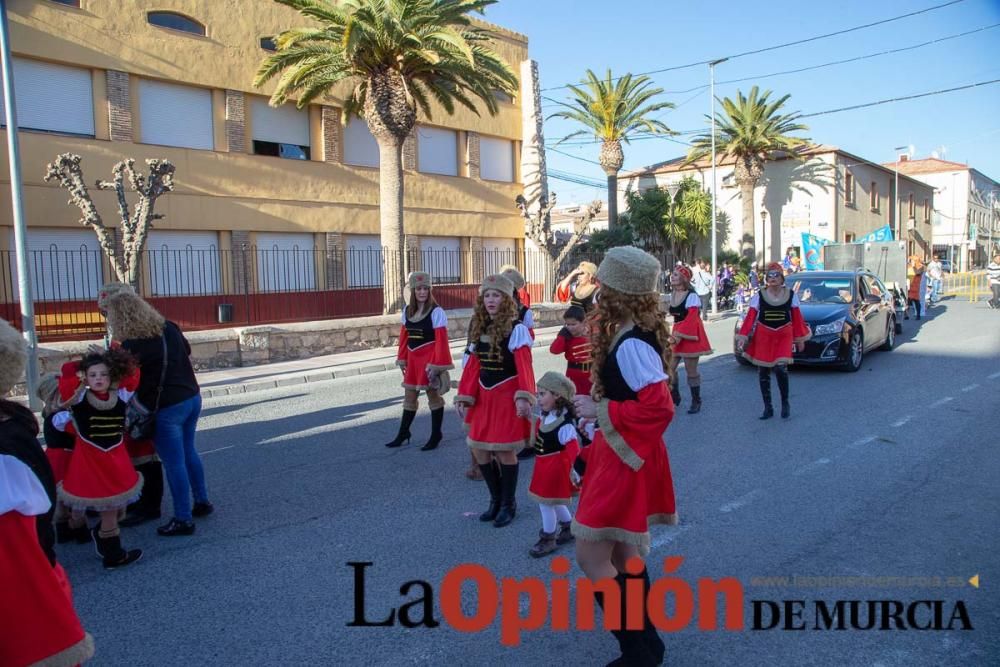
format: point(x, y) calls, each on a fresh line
point(140, 421)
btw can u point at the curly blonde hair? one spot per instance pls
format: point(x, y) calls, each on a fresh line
point(496, 328)
point(13, 357)
point(130, 317)
point(611, 310)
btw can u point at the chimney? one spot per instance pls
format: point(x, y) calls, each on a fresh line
point(904, 157)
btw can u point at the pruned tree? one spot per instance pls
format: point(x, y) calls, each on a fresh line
point(538, 228)
point(135, 224)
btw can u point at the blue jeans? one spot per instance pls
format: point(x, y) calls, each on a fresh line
point(935, 289)
point(174, 440)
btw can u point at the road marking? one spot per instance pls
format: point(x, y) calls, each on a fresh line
point(670, 536)
point(212, 451)
point(742, 501)
point(902, 421)
point(940, 402)
point(970, 387)
point(862, 442)
point(994, 376)
point(818, 463)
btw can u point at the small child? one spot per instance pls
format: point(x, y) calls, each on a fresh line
point(100, 475)
point(70, 526)
point(573, 341)
point(741, 299)
point(556, 447)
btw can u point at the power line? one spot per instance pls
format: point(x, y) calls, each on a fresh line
point(575, 157)
point(777, 46)
point(900, 99)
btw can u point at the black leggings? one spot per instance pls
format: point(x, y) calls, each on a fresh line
point(764, 377)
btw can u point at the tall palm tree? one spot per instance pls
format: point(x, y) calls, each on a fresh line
point(751, 130)
point(613, 110)
point(401, 56)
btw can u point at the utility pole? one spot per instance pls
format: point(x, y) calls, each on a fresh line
point(715, 250)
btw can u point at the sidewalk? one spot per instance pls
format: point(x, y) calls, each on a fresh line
point(320, 369)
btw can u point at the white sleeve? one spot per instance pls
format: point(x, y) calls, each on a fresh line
point(795, 300)
point(692, 301)
point(439, 318)
point(519, 337)
point(402, 317)
point(60, 419)
point(567, 434)
point(20, 489)
point(125, 394)
point(469, 350)
point(640, 364)
point(755, 301)
point(529, 319)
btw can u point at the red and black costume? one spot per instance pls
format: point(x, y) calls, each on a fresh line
point(628, 482)
point(423, 347)
point(576, 349)
point(556, 448)
point(582, 296)
point(688, 327)
point(774, 325)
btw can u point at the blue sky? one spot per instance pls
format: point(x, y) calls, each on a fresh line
point(568, 36)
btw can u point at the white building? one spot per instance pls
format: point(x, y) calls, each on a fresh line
point(963, 229)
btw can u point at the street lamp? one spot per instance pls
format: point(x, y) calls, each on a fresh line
point(763, 236)
point(909, 153)
point(715, 183)
point(672, 190)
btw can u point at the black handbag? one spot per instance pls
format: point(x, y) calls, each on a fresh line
point(140, 421)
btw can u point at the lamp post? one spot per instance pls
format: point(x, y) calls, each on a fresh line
point(909, 152)
point(763, 236)
point(711, 85)
point(672, 190)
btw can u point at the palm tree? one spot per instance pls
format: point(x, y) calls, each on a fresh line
point(751, 130)
point(612, 111)
point(400, 56)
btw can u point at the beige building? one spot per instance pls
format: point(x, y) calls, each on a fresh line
point(172, 79)
point(829, 193)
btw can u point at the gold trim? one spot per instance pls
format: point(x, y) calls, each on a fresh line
point(683, 336)
point(440, 369)
point(549, 501)
point(688, 355)
point(76, 654)
point(663, 519)
point(462, 398)
point(615, 439)
point(102, 404)
point(611, 534)
point(495, 446)
point(769, 364)
point(101, 504)
point(144, 459)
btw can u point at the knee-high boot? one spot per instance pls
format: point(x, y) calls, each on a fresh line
point(631, 643)
point(491, 475)
point(404, 429)
point(148, 506)
point(695, 400)
point(764, 377)
point(781, 375)
point(437, 417)
point(508, 491)
point(675, 392)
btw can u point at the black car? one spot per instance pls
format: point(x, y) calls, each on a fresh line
point(849, 313)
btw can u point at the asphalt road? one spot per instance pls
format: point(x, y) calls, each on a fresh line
point(889, 472)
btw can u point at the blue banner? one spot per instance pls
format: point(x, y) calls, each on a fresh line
point(879, 235)
point(812, 252)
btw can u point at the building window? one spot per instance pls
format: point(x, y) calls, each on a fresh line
point(64, 264)
point(360, 147)
point(175, 21)
point(183, 263)
point(849, 189)
point(501, 96)
point(286, 262)
point(68, 3)
point(174, 115)
point(279, 131)
point(437, 151)
point(496, 159)
point(52, 98)
point(874, 196)
point(268, 44)
point(927, 210)
point(442, 258)
point(912, 207)
point(849, 237)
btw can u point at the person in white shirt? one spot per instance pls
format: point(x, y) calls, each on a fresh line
point(702, 283)
point(935, 271)
point(993, 272)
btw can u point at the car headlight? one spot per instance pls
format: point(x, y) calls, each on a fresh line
point(834, 327)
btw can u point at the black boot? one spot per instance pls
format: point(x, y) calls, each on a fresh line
point(80, 534)
point(508, 489)
point(632, 644)
point(781, 375)
point(765, 392)
point(147, 507)
point(404, 429)
point(695, 401)
point(437, 416)
point(111, 552)
point(491, 475)
point(650, 635)
point(675, 393)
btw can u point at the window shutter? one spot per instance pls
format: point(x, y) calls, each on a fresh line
point(52, 97)
point(364, 261)
point(441, 257)
point(437, 151)
point(173, 115)
point(285, 262)
point(281, 125)
point(360, 147)
point(496, 159)
point(183, 263)
point(65, 264)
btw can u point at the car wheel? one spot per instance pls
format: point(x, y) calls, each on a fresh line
point(855, 353)
point(890, 336)
point(897, 326)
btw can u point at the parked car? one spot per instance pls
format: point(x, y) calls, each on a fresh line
point(946, 265)
point(850, 313)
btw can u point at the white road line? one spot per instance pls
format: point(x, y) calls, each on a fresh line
point(862, 442)
point(902, 421)
point(742, 501)
point(970, 387)
point(818, 463)
point(672, 534)
point(211, 451)
point(938, 403)
point(994, 376)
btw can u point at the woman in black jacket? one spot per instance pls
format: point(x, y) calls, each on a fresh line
point(147, 335)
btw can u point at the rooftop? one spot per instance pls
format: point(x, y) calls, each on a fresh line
point(929, 165)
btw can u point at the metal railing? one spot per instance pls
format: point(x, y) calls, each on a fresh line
point(972, 285)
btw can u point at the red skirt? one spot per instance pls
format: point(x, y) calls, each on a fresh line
point(686, 347)
point(550, 483)
point(99, 479)
point(618, 503)
point(415, 375)
point(493, 421)
point(770, 347)
point(39, 623)
point(59, 460)
point(580, 379)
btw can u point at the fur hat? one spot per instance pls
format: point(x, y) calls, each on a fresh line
point(13, 357)
point(775, 266)
point(629, 270)
point(558, 384)
point(110, 290)
point(588, 267)
point(510, 272)
point(419, 279)
point(499, 283)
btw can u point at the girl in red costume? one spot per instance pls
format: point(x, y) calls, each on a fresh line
point(689, 339)
point(579, 287)
point(556, 446)
point(39, 624)
point(573, 342)
point(772, 328)
point(496, 393)
point(425, 357)
point(628, 485)
point(100, 474)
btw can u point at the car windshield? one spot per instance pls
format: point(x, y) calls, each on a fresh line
point(822, 290)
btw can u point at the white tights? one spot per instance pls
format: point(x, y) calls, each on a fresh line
point(552, 512)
